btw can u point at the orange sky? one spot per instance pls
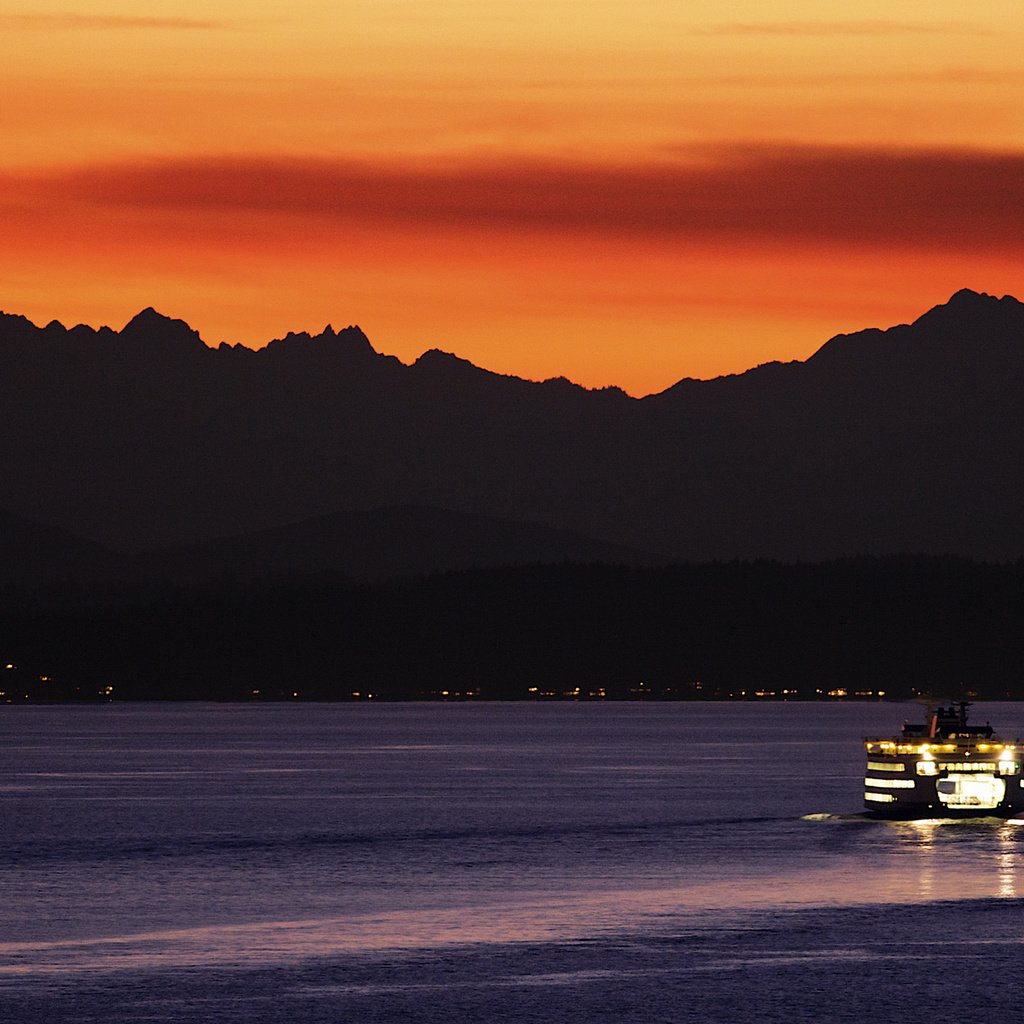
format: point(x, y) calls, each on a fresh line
point(618, 192)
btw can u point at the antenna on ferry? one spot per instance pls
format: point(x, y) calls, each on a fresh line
point(927, 700)
point(961, 707)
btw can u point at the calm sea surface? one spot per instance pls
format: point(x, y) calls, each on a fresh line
point(487, 862)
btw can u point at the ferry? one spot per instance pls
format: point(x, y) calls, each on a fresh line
point(944, 768)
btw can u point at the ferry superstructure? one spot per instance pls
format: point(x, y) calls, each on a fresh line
point(944, 768)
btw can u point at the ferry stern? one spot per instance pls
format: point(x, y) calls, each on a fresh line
point(944, 768)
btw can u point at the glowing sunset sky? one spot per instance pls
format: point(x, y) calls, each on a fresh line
point(619, 192)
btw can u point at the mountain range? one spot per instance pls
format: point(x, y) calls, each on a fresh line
point(906, 440)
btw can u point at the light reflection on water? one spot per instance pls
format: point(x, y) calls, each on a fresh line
point(531, 917)
point(1009, 862)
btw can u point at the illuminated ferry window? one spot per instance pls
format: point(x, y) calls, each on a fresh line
point(976, 791)
point(967, 766)
point(890, 783)
point(886, 766)
point(1009, 768)
point(927, 768)
point(880, 798)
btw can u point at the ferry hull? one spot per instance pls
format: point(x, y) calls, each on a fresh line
point(918, 812)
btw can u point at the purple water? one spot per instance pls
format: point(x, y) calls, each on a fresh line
point(527, 862)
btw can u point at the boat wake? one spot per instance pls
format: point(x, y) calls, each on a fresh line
point(835, 817)
point(991, 820)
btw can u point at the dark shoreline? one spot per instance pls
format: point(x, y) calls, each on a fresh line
point(867, 628)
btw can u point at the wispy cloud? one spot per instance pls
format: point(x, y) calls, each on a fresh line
point(953, 76)
point(953, 200)
point(71, 21)
point(879, 27)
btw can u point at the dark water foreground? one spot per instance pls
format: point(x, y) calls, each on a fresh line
point(854, 964)
point(486, 863)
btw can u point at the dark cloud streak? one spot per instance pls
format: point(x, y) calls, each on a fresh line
point(951, 200)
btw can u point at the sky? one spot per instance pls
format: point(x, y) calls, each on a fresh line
point(621, 193)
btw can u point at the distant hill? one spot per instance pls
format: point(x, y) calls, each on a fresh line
point(367, 546)
point(32, 554)
point(382, 544)
point(905, 440)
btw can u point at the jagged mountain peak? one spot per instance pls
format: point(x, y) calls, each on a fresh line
point(16, 321)
point(146, 318)
point(438, 357)
point(969, 295)
point(149, 325)
point(974, 311)
point(902, 440)
point(445, 367)
point(349, 341)
point(968, 298)
point(950, 329)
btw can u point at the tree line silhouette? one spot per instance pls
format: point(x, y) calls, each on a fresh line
point(747, 629)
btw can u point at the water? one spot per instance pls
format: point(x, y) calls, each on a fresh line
point(540, 862)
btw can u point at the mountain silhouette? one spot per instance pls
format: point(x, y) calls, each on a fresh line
point(32, 553)
point(909, 439)
point(382, 544)
point(375, 545)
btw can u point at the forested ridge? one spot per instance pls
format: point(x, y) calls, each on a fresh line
point(867, 627)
